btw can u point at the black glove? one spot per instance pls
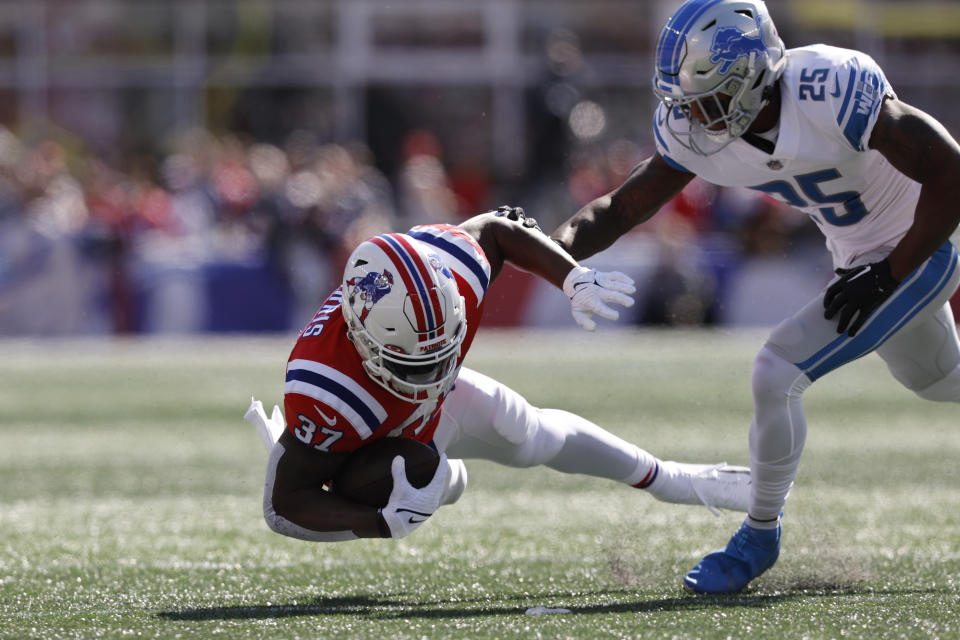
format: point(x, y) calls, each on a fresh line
point(858, 292)
point(516, 214)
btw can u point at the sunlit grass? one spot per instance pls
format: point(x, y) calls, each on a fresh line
point(130, 504)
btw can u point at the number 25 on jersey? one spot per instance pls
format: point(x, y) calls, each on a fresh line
point(809, 185)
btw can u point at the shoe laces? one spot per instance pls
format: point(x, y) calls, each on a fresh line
point(704, 475)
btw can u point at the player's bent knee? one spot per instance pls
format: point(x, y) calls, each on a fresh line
point(279, 509)
point(271, 517)
point(764, 379)
point(774, 377)
point(946, 389)
point(285, 527)
point(269, 508)
point(275, 512)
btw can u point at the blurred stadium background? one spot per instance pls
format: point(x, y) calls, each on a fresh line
point(185, 166)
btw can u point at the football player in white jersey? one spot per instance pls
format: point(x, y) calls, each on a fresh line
point(821, 129)
point(383, 358)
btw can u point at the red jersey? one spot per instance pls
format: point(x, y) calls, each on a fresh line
point(329, 401)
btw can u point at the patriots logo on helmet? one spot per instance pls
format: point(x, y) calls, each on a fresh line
point(730, 44)
point(370, 288)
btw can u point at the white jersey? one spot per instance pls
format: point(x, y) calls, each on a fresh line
point(830, 100)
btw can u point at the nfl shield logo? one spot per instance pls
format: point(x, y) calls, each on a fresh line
point(775, 165)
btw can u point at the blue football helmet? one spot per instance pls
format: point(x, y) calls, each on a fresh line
point(716, 61)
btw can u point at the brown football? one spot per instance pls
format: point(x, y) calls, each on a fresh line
point(365, 475)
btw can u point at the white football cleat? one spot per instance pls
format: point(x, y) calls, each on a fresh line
point(716, 486)
point(270, 429)
point(722, 486)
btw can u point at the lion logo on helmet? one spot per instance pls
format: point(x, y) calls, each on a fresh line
point(730, 44)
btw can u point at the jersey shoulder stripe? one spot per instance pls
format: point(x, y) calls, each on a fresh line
point(338, 391)
point(848, 83)
point(460, 251)
point(868, 96)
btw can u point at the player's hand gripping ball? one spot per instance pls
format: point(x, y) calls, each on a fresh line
point(365, 476)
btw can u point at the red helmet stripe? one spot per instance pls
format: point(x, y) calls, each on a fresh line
point(412, 286)
point(425, 274)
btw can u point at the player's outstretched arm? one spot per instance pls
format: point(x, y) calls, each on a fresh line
point(923, 150)
point(598, 224)
point(508, 236)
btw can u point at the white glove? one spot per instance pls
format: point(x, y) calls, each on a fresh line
point(270, 429)
point(590, 291)
point(409, 507)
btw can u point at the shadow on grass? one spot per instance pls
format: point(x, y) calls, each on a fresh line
point(372, 606)
point(358, 605)
point(391, 607)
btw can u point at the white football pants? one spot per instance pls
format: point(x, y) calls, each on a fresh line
point(914, 333)
point(485, 419)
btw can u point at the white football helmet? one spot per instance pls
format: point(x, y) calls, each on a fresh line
point(404, 315)
point(716, 62)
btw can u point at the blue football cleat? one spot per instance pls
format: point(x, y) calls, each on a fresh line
point(749, 553)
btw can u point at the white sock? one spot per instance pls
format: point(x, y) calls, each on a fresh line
point(646, 474)
point(672, 484)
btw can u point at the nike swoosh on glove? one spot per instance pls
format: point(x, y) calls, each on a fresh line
point(591, 292)
point(409, 507)
point(858, 292)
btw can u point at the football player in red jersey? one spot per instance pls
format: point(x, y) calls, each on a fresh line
point(383, 358)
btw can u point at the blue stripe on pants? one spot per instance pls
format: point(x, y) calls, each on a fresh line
point(910, 298)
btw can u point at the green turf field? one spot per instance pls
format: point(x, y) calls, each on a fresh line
point(130, 492)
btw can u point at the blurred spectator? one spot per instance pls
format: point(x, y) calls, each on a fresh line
point(227, 234)
point(424, 187)
point(95, 249)
point(682, 289)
